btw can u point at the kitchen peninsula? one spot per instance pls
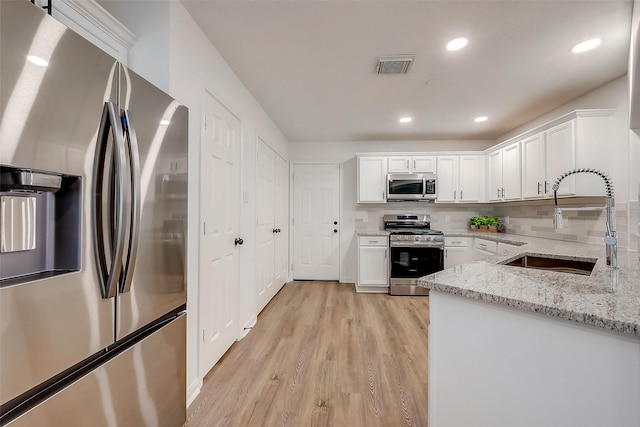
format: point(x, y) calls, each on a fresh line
point(519, 346)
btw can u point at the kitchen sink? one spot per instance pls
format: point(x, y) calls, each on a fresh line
point(582, 266)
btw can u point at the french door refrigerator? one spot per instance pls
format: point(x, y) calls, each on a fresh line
point(93, 189)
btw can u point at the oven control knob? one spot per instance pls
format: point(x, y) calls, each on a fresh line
point(417, 238)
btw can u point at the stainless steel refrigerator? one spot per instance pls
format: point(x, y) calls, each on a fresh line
point(93, 190)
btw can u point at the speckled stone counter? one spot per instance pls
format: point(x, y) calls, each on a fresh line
point(607, 298)
point(372, 233)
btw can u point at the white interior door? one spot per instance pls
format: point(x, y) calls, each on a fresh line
point(316, 231)
point(265, 233)
point(281, 215)
point(220, 227)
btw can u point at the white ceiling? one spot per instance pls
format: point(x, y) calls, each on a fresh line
point(310, 63)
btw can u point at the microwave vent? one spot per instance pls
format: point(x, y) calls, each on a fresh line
point(398, 64)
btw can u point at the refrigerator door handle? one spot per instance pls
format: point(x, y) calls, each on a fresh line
point(108, 277)
point(131, 142)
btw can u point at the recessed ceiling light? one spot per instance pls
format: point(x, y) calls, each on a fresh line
point(457, 44)
point(40, 62)
point(586, 45)
point(480, 119)
point(405, 119)
point(164, 122)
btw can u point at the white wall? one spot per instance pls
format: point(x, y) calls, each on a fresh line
point(173, 53)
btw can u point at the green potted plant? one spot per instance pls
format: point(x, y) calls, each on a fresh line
point(483, 223)
point(474, 222)
point(493, 224)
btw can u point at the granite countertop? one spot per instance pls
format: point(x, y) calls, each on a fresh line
point(607, 298)
point(372, 233)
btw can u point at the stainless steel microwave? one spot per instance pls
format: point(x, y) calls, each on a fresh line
point(411, 187)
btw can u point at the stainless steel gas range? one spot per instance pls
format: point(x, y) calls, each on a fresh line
point(415, 251)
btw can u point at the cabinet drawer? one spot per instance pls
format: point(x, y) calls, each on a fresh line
point(373, 240)
point(456, 241)
point(486, 245)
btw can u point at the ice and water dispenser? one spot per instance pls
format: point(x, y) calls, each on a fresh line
point(40, 224)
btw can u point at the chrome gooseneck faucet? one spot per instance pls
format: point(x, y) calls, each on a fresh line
point(610, 240)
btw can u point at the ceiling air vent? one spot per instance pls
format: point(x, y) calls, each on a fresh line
point(399, 64)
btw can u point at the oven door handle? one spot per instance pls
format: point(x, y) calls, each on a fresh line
point(416, 245)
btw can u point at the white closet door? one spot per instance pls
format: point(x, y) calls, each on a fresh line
point(220, 227)
point(265, 233)
point(281, 256)
point(316, 206)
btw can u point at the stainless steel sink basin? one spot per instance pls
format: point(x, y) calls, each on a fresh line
point(583, 266)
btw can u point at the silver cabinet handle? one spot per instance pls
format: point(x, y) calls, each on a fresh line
point(446, 253)
point(460, 194)
point(498, 193)
point(407, 164)
point(454, 194)
point(545, 187)
point(414, 164)
point(503, 192)
point(131, 143)
point(108, 277)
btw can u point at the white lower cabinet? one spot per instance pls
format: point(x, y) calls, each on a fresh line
point(483, 248)
point(457, 251)
point(373, 264)
point(505, 248)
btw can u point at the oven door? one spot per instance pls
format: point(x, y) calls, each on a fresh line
point(412, 262)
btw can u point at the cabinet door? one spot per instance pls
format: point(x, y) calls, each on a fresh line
point(372, 179)
point(469, 178)
point(533, 166)
point(511, 172)
point(447, 178)
point(400, 164)
point(455, 256)
point(561, 157)
point(494, 176)
point(372, 265)
point(424, 164)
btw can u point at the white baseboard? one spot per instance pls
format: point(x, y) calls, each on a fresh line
point(372, 289)
point(193, 391)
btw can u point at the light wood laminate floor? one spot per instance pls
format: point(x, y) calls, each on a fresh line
point(323, 355)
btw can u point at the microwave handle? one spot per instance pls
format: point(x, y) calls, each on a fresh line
point(424, 187)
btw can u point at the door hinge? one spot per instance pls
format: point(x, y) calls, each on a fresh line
point(204, 228)
point(205, 122)
point(203, 335)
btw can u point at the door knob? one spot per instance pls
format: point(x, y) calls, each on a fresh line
point(275, 230)
point(335, 230)
point(239, 241)
point(335, 222)
point(278, 230)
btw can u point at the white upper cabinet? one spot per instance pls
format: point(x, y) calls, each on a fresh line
point(560, 158)
point(504, 173)
point(412, 164)
point(372, 179)
point(459, 178)
point(578, 140)
point(533, 167)
point(94, 23)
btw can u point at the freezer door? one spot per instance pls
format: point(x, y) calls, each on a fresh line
point(143, 386)
point(49, 119)
point(156, 126)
